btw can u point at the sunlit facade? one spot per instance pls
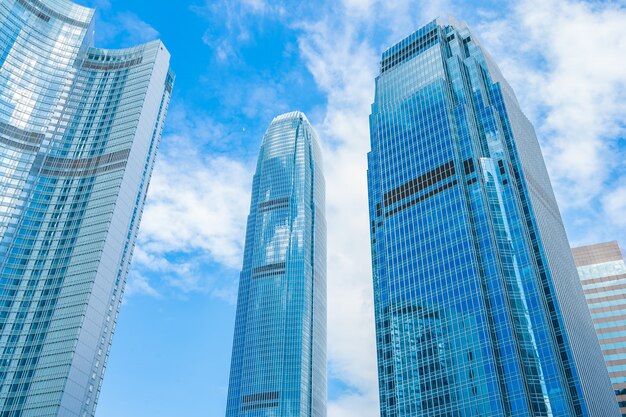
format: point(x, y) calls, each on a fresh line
point(602, 272)
point(79, 130)
point(478, 307)
point(278, 365)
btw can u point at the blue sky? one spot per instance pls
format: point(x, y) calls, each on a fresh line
point(239, 63)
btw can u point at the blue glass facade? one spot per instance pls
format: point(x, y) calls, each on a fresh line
point(79, 130)
point(478, 308)
point(279, 349)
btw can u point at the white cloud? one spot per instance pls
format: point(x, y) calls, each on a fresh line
point(566, 60)
point(195, 214)
point(340, 53)
point(614, 204)
point(126, 28)
point(100, 5)
point(353, 405)
point(136, 30)
point(343, 68)
point(197, 203)
point(139, 284)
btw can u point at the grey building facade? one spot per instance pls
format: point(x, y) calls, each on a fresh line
point(79, 131)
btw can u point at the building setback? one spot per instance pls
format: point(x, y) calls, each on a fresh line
point(79, 130)
point(479, 311)
point(602, 272)
point(278, 364)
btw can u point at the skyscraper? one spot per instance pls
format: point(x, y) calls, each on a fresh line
point(279, 350)
point(79, 130)
point(478, 307)
point(602, 273)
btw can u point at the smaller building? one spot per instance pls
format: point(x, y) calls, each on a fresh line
point(603, 275)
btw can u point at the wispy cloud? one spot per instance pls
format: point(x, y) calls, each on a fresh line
point(139, 284)
point(134, 29)
point(193, 224)
point(614, 205)
point(341, 50)
point(566, 60)
point(125, 29)
point(197, 203)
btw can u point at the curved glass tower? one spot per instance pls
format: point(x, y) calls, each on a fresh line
point(279, 350)
point(479, 311)
point(79, 130)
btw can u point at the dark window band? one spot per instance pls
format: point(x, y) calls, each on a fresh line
point(19, 138)
point(418, 184)
point(110, 65)
point(258, 406)
point(414, 48)
point(274, 204)
point(18, 145)
point(262, 396)
point(421, 198)
point(269, 270)
point(20, 134)
point(65, 167)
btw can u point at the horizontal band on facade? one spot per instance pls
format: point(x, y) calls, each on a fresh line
point(616, 318)
point(597, 254)
point(617, 328)
point(110, 65)
point(607, 298)
point(66, 167)
point(602, 279)
point(420, 183)
point(616, 362)
point(269, 270)
point(613, 351)
point(18, 145)
point(269, 274)
point(52, 162)
point(421, 198)
point(274, 204)
point(262, 396)
point(39, 9)
point(617, 286)
point(612, 340)
point(414, 48)
point(259, 406)
point(15, 133)
point(620, 386)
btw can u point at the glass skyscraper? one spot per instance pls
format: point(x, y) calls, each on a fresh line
point(79, 130)
point(602, 273)
point(279, 349)
point(479, 311)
